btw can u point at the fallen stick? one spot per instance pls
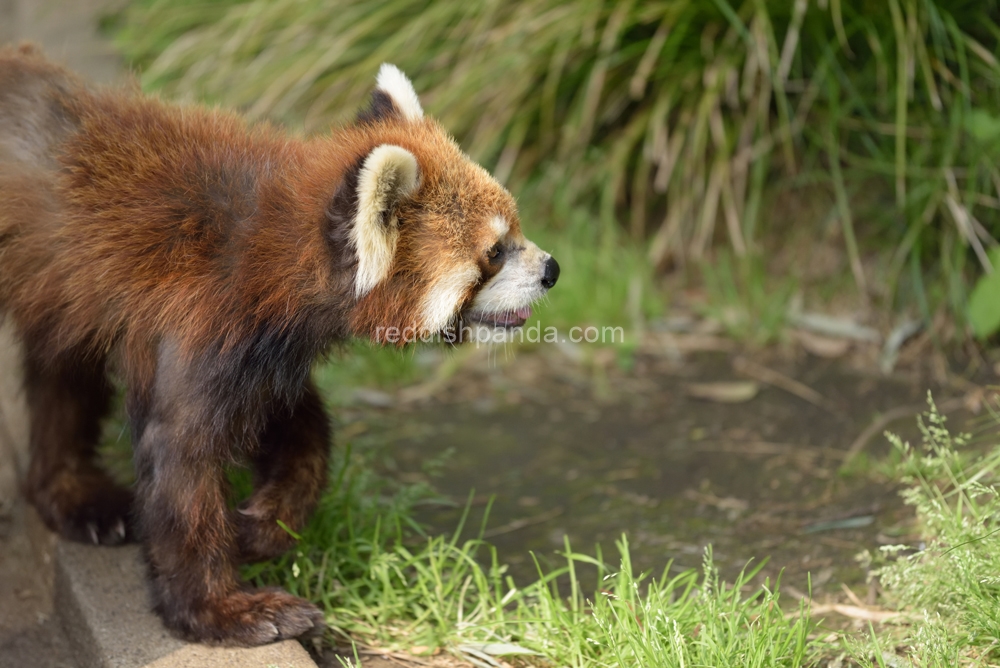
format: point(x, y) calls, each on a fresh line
point(780, 380)
point(855, 612)
point(524, 522)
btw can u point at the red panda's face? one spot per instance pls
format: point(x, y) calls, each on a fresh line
point(438, 241)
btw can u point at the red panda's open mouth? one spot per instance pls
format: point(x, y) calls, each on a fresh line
point(507, 319)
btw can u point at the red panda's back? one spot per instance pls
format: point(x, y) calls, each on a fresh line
point(123, 212)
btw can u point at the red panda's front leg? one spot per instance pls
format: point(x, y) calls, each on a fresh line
point(290, 471)
point(188, 434)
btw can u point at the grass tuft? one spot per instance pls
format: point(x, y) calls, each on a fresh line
point(383, 583)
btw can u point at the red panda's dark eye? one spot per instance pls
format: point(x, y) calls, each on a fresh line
point(495, 253)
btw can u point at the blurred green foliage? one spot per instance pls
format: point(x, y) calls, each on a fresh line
point(668, 122)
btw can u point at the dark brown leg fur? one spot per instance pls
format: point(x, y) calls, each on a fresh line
point(73, 496)
point(188, 532)
point(290, 474)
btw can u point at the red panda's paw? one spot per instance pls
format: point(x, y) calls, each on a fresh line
point(258, 617)
point(85, 507)
point(259, 537)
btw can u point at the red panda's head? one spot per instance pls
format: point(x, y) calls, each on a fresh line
point(437, 241)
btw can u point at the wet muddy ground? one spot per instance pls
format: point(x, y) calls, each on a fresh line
point(591, 453)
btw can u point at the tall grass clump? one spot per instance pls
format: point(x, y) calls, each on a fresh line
point(672, 119)
point(948, 587)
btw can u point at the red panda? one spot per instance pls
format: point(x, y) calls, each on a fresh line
point(206, 262)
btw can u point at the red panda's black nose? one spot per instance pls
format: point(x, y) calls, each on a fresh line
point(551, 273)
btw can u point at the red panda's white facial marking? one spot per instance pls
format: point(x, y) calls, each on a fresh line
point(500, 227)
point(445, 296)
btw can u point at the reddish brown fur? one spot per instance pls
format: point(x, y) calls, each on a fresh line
point(203, 259)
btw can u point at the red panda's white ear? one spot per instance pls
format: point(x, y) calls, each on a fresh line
point(394, 83)
point(389, 174)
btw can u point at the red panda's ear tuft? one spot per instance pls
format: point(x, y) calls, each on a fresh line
point(389, 175)
point(394, 96)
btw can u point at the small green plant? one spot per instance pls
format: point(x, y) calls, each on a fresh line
point(947, 585)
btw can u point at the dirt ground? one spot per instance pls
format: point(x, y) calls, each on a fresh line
point(591, 451)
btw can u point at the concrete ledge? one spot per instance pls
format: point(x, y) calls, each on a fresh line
point(102, 603)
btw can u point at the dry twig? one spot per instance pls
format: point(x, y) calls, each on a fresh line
point(780, 380)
